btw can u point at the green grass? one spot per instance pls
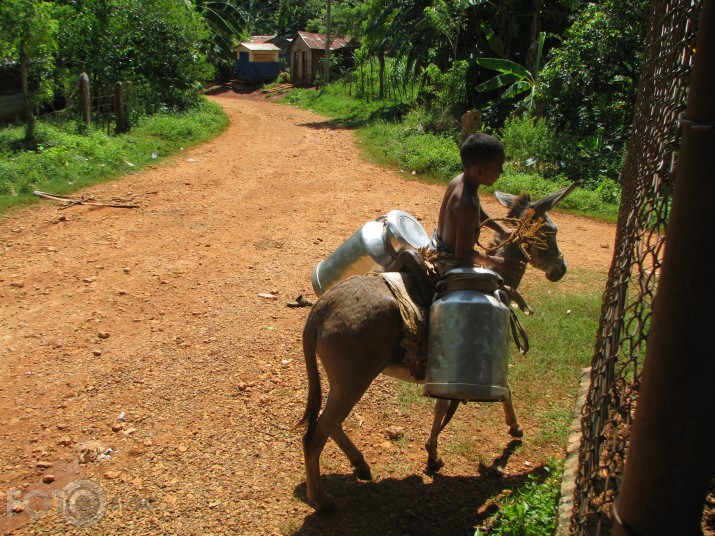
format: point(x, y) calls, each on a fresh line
point(67, 161)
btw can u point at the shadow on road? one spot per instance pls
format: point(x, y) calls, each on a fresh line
point(444, 506)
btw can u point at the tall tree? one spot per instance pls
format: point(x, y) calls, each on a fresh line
point(28, 37)
point(160, 43)
point(292, 16)
point(589, 84)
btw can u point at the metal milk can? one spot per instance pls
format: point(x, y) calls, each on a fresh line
point(372, 248)
point(468, 339)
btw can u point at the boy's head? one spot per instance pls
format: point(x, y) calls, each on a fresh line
point(482, 158)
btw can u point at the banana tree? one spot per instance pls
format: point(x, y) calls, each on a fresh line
point(518, 78)
point(227, 22)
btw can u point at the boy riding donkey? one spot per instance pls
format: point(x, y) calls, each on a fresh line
point(460, 219)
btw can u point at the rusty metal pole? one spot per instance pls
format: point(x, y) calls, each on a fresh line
point(672, 451)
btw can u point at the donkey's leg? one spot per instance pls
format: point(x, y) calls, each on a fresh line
point(341, 399)
point(313, 443)
point(441, 408)
point(360, 467)
point(510, 417)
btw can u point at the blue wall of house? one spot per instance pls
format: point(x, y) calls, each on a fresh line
point(262, 71)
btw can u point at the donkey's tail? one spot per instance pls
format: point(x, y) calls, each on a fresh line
point(315, 397)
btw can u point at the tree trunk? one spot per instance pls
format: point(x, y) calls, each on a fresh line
point(381, 74)
point(530, 62)
point(120, 110)
point(326, 63)
point(30, 140)
point(85, 103)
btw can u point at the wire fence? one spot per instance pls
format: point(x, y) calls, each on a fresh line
point(108, 106)
point(648, 175)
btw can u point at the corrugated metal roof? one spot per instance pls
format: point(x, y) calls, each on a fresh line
point(259, 46)
point(260, 38)
point(317, 41)
point(275, 39)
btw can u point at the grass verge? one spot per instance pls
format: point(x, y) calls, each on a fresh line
point(67, 160)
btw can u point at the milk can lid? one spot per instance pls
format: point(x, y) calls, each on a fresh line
point(474, 273)
point(406, 230)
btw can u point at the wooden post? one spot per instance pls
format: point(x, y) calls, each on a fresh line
point(120, 110)
point(471, 121)
point(85, 104)
point(672, 446)
point(326, 59)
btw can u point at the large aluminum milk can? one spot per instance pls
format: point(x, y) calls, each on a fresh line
point(468, 338)
point(372, 248)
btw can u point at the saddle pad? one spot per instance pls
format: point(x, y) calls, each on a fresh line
point(414, 338)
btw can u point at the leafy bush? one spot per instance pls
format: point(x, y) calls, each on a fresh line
point(531, 145)
point(430, 155)
point(531, 509)
point(189, 126)
point(609, 191)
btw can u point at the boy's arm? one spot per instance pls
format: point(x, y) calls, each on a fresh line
point(493, 224)
point(465, 241)
point(465, 237)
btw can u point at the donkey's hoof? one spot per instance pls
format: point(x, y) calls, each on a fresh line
point(516, 431)
point(362, 471)
point(435, 465)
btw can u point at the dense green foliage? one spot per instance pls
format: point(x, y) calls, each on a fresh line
point(28, 40)
point(530, 510)
point(160, 43)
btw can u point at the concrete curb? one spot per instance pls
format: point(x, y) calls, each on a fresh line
point(563, 521)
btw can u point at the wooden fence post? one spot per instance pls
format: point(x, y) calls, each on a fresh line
point(120, 110)
point(471, 121)
point(85, 104)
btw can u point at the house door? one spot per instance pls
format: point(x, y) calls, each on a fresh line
point(304, 70)
point(295, 68)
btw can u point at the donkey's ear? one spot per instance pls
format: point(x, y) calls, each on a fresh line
point(505, 199)
point(548, 202)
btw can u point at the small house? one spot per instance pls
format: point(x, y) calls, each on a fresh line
point(281, 42)
point(257, 62)
point(305, 52)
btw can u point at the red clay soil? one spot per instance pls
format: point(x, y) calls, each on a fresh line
point(143, 372)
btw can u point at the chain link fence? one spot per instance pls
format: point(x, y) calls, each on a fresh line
point(647, 180)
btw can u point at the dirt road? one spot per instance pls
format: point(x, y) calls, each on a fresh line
point(136, 341)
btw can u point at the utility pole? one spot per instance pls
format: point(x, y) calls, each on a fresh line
point(326, 59)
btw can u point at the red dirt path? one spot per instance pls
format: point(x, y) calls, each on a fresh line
point(155, 313)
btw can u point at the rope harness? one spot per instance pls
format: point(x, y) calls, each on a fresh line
point(527, 233)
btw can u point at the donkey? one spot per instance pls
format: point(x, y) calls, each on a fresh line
point(356, 328)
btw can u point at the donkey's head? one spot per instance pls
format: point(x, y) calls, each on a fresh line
point(542, 250)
